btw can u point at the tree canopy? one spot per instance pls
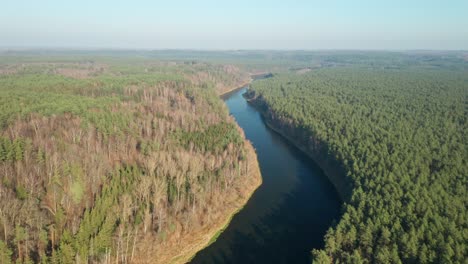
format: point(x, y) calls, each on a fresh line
point(401, 137)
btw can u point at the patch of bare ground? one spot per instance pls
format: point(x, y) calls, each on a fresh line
point(79, 73)
point(218, 76)
point(80, 70)
point(76, 70)
point(304, 70)
point(8, 69)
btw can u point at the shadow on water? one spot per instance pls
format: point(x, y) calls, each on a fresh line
point(289, 214)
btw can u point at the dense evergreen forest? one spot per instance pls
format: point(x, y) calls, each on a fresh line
point(399, 133)
point(116, 159)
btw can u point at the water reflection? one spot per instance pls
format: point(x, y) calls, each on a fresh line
point(288, 215)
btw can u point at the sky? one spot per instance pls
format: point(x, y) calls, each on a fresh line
point(235, 24)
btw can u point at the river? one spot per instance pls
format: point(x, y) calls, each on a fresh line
point(289, 213)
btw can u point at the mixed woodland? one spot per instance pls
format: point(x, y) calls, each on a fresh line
point(114, 160)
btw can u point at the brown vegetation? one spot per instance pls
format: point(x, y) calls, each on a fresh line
point(145, 174)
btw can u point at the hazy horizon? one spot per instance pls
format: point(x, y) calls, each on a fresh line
point(212, 25)
point(117, 49)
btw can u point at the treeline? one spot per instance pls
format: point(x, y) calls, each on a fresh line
point(118, 164)
point(401, 137)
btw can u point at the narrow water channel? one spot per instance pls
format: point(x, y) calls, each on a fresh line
point(289, 213)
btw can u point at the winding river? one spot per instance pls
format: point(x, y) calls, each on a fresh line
point(289, 213)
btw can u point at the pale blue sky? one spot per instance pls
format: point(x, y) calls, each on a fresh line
point(235, 24)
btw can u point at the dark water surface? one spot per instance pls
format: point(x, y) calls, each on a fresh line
point(289, 213)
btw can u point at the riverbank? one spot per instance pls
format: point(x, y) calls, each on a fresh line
point(182, 249)
point(330, 166)
point(253, 180)
point(253, 77)
point(207, 236)
point(233, 90)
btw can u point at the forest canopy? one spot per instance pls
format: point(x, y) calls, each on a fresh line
point(401, 137)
